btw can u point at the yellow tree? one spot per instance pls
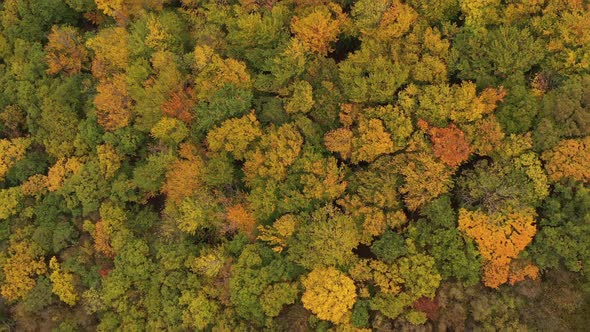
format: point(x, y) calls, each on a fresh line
point(24, 262)
point(108, 159)
point(275, 152)
point(63, 283)
point(214, 72)
point(372, 142)
point(235, 135)
point(240, 218)
point(329, 294)
point(111, 52)
point(500, 238)
point(11, 151)
point(424, 178)
point(60, 171)
point(318, 29)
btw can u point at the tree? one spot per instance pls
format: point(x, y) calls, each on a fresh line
point(113, 103)
point(500, 238)
point(241, 219)
point(367, 77)
point(330, 234)
point(275, 152)
point(111, 52)
point(318, 29)
point(569, 159)
point(563, 229)
point(200, 311)
point(170, 130)
point(122, 9)
point(449, 144)
point(65, 51)
point(109, 160)
point(302, 99)
point(424, 179)
point(63, 283)
point(10, 199)
point(23, 264)
point(329, 294)
point(486, 55)
point(235, 135)
point(183, 178)
point(11, 151)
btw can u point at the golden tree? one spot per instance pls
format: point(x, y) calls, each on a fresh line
point(63, 283)
point(319, 28)
point(329, 294)
point(24, 262)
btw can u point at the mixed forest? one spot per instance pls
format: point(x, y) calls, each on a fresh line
point(294, 165)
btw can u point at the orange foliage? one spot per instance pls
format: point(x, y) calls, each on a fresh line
point(102, 239)
point(112, 103)
point(180, 104)
point(569, 159)
point(241, 219)
point(36, 185)
point(500, 238)
point(64, 51)
point(340, 141)
point(183, 179)
point(528, 271)
point(449, 144)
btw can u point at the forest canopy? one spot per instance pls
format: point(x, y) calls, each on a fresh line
point(294, 165)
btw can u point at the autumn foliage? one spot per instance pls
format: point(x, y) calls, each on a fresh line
point(500, 238)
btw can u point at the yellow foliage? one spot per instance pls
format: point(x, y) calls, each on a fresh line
point(63, 283)
point(425, 179)
point(62, 169)
point(113, 103)
point(108, 159)
point(111, 52)
point(373, 141)
point(317, 30)
point(340, 141)
point(11, 151)
point(324, 179)
point(275, 153)
point(241, 219)
point(9, 201)
point(234, 135)
point(329, 294)
point(64, 51)
point(23, 264)
point(214, 72)
point(183, 178)
point(278, 234)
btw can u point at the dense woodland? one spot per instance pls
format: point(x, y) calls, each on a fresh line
point(297, 165)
